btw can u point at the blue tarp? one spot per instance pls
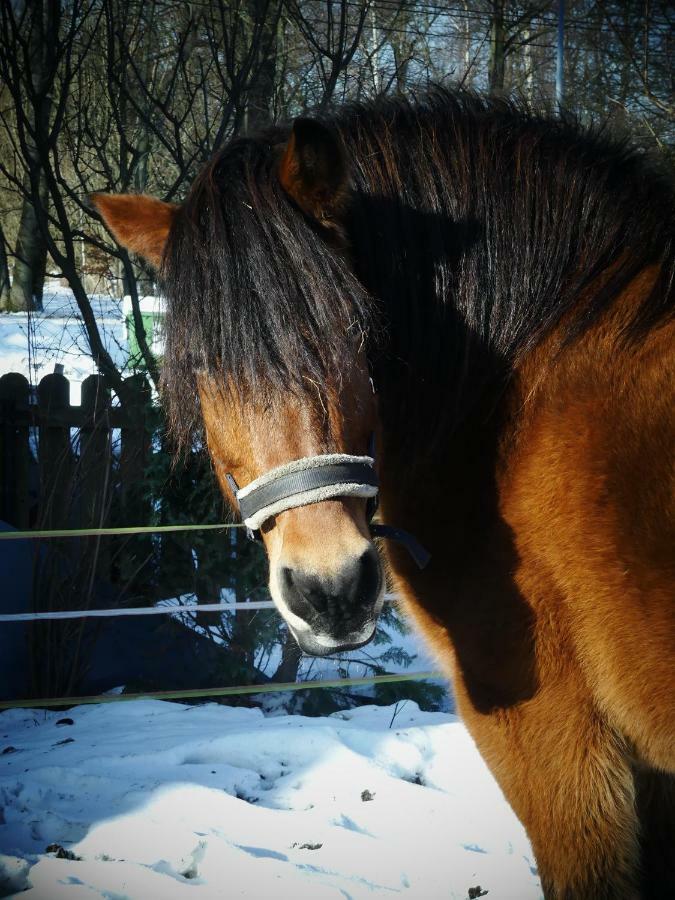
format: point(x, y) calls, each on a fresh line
point(16, 574)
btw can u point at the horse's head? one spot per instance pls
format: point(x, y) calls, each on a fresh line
point(325, 575)
point(266, 330)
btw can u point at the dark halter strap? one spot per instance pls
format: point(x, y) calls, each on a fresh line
point(311, 480)
point(307, 480)
point(419, 553)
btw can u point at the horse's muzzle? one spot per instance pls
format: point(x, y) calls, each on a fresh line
point(339, 611)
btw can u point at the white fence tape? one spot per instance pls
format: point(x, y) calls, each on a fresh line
point(143, 611)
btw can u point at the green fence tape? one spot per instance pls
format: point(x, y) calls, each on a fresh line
point(102, 532)
point(33, 703)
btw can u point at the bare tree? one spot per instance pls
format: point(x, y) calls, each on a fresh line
point(4, 273)
point(333, 32)
point(637, 42)
point(39, 111)
point(38, 20)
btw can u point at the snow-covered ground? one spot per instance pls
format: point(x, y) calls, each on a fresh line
point(33, 344)
point(154, 800)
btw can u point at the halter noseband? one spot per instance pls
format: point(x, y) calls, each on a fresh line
point(304, 481)
point(311, 480)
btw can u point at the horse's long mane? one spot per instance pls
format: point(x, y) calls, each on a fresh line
point(475, 227)
point(255, 297)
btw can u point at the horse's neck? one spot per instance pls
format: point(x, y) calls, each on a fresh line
point(439, 394)
point(439, 482)
point(450, 472)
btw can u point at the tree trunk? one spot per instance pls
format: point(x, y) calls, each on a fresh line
point(145, 284)
point(31, 246)
point(497, 39)
point(374, 42)
point(402, 47)
point(4, 274)
point(529, 66)
point(31, 257)
point(467, 76)
point(290, 660)
point(260, 106)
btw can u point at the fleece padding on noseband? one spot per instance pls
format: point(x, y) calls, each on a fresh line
point(305, 481)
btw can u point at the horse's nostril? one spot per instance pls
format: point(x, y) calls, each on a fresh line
point(337, 597)
point(368, 579)
point(306, 587)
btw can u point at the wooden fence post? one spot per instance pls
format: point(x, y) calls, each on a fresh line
point(54, 451)
point(95, 464)
point(134, 453)
point(53, 561)
point(14, 450)
point(95, 450)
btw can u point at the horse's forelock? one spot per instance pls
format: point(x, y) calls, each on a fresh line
point(256, 295)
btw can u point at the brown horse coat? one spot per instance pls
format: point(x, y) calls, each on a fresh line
point(562, 652)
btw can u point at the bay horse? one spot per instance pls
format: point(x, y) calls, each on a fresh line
point(489, 292)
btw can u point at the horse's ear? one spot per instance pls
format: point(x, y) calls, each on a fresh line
point(138, 222)
point(313, 169)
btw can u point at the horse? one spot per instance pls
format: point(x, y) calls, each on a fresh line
point(479, 298)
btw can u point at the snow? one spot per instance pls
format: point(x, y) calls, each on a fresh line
point(156, 799)
point(57, 336)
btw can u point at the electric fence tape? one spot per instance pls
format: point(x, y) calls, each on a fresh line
point(237, 690)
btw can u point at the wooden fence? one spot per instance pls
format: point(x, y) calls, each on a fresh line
point(64, 466)
point(69, 467)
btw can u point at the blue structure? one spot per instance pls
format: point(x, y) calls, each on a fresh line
point(16, 585)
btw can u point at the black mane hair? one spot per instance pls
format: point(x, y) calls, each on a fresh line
point(474, 227)
point(255, 296)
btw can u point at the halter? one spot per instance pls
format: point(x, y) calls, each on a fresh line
point(311, 480)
